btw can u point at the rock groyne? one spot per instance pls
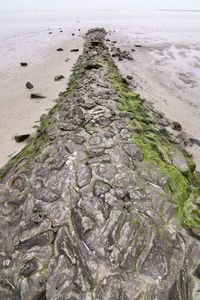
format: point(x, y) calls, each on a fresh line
point(102, 203)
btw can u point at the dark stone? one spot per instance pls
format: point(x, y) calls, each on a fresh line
point(37, 96)
point(60, 49)
point(74, 50)
point(73, 34)
point(195, 141)
point(24, 64)
point(40, 240)
point(29, 85)
point(21, 138)
point(50, 32)
point(129, 77)
point(29, 268)
point(138, 46)
point(58, 77)
point(176, 126)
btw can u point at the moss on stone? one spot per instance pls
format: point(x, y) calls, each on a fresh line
point(156, 148)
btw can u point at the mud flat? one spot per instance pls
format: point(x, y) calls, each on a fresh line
point(103, 202)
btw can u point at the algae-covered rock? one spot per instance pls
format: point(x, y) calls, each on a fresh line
point(101, 203)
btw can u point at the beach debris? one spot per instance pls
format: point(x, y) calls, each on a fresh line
point(23, 64)
point(21, 138)
point(73, 34)
point(37, 95)
point(138, 46)
point(74, 50)
point(58, 77)
point(176, 126)
point(29, 85)
point(133, 50)
point(121, 55)
point(60, 49)
point(129, 77)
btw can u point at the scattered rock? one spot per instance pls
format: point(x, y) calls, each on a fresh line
point(58, 77)
point(138, 46)
point(195, 141)
point(83, 175)
point(179, 161)
point(73, 34)
point(29, 85)
point(37, 96)
point(24, 64)
point(121, 55)
point(74, 50)
point(61, 30)
point(101, 188)
point(50, 32)
point(129, 77)
point(133, 151)
point(60, 49)
point(21, 138)
point(176, 126)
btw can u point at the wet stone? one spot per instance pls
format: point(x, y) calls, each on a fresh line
point(40, 240)
point(95, 140)
point(30, 267)
point(83, 175)
point(94, 152)
point(125, 133)
point(179, 161)
point(133, 151)
point(101, 188)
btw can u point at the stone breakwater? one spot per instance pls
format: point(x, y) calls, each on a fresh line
point(103, 202)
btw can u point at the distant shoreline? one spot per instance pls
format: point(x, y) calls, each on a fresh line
point(181, 10)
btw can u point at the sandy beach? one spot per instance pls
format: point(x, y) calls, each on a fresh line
point(165, 70)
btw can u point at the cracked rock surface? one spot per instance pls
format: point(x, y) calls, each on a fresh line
point(84, 214)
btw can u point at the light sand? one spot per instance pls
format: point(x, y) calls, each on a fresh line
point(18, 112)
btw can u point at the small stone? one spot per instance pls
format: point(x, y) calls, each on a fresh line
point(24, 64)
point(195, 141)
point(29, 268)
point(129, 77)
point(179, 161)
point(138, 46)
point(58, 77)
point(101, 188)
point(94, 152)
point(121, 193)
point(133, 151)
point(125, 133)
point(73, 34)
point(61, 30)
point(50, 32)
point(176, 126)
point(83, 175)
point(37, 96)
point(29, 85)
point(74, 50)
point(198, 200)
point(60, 49)
point(21, 138)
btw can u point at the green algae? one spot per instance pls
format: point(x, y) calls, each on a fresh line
point(156, 148)
point(41, 138)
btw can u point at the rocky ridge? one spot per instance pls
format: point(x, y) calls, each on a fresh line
point(103, 202)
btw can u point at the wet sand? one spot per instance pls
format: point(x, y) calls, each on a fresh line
point(168, 75)
point(18, 112)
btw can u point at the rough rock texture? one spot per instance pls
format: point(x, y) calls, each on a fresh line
point(102, 203)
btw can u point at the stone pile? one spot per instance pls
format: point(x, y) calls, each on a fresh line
point(94, 207)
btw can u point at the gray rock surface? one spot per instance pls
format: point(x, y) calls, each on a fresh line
point(84, 214)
